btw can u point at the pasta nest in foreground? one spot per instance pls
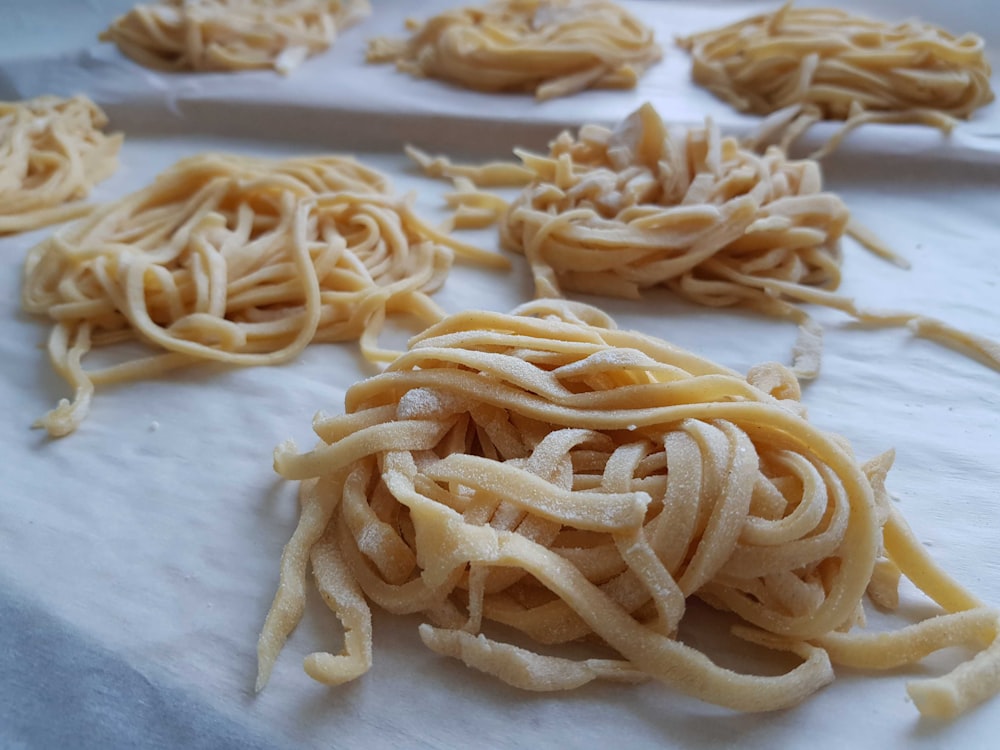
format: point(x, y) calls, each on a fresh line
point(237, 260)
point(223, 35)
point(550, 47)
point(52, 153)
point(547, 472)
point(825, 64)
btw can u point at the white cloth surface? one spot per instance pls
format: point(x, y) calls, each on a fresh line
point(138, 556)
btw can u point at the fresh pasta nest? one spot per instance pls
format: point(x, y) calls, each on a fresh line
point(810, 64)
point(613, 212)
point(227, 35)
point(550, 473)
point(550, 47)
point(237, 260)
point(52, 153)
point(616, 211)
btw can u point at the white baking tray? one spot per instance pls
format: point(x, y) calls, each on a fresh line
point(139, 556)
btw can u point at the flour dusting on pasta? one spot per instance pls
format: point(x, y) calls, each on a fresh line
point(548, 472)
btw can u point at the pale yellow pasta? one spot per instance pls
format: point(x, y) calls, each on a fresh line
point(545, 471)
point(52, 153)
point(811, 64)
point(552, 48)
point(236, 260)
point(616, 211)
point(228, 35)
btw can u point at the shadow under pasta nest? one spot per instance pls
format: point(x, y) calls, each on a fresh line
point(400, 656)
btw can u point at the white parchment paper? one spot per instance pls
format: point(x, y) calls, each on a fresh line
point(138, 557)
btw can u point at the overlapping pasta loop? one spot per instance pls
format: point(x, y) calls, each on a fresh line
point(550, 47)
point(812, 64)
point(52, 152)
point(549, 472)
point(237, 260)
point(227, 35)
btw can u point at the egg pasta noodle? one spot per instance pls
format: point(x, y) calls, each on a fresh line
point(804, 65)
point(616, 211)
point(552, 48)
point(236, 260)
point(52, 153)
point(546, 471)
point(230, 35)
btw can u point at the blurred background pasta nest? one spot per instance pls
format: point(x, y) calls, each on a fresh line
point(220, 35)
point(52, 153)
point(550, 47)
point(811, 64)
